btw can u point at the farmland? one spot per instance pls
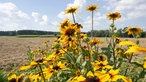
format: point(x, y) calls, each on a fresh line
point(13, 50)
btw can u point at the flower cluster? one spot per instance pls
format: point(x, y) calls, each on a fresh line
point(74, 57)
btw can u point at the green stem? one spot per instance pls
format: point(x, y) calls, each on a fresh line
point(130, 58)
point(125, 74)
point(92, 27)
point(41, 72)
point(73, 18)
point(113, 43)
point(71, 58)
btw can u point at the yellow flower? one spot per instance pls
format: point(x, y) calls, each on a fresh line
point(37, 77)
point(71, 10)
point(15, 78)
point(12, 78)
point(32, 64)
point(144, 65)
point(70, 30)
point(69, 42)
point(113, 15)
point(89, 78)
point(101, 64)
point(112, 75)
point(125, 79)
point(83, 35)
point(81, 79)
point(136, 49)
point(134, 30)
point(78, 79)
point(46, 42)
point(48, 72)
point(126, 43)
point(64, 23)
point(90, 74)
point(118, 40)
point(92, 7)
point(58, 66)
point(102, 76)
point(95, 41)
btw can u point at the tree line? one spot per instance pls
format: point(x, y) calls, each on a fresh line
point(26, 32)
point(96, 33)
point(120, 33)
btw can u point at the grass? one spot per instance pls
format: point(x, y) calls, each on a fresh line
point(35, 36)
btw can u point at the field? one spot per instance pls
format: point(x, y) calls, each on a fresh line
point(13, 50)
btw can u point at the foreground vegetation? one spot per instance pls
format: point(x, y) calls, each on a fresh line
point(74, 57)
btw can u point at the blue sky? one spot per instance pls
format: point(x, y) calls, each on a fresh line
point(47, 14)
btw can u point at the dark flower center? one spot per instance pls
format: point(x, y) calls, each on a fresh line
point(101, 58)
point(21, 79)
point(134, 29)
point(117, 40)
point(72, 10)
point(111, 76)
point(101, 65)
point(70, 32)
point(56, 67)
point(12, 80)
point(64, 24)
point(92, 8)
point(113, 15)
point(90, 79)
point(40, 60)
point(57, 52)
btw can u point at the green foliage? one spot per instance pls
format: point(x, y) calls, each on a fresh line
point(3, 77)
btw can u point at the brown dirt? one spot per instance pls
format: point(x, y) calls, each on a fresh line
point(14, 50)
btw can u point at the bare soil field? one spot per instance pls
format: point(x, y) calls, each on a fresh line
point(13, 50)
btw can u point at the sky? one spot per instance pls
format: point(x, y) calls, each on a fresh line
point(46, 15)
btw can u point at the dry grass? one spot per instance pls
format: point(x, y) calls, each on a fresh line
point(14, 50)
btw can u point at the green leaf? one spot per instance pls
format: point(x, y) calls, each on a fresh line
point(137, 42)
point(142, 74)
point(70, 58)
point(104, 48)
point(137, 64)
point(3, 77)
point(84, 63)
point(95, 55)
point(85, 52)
point(79, 59)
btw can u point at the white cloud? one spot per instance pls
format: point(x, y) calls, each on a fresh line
point(130, 8)
point(62, 15)
point(79, 3)
point(12, 18)
point(41, 19)
point(9, 10)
